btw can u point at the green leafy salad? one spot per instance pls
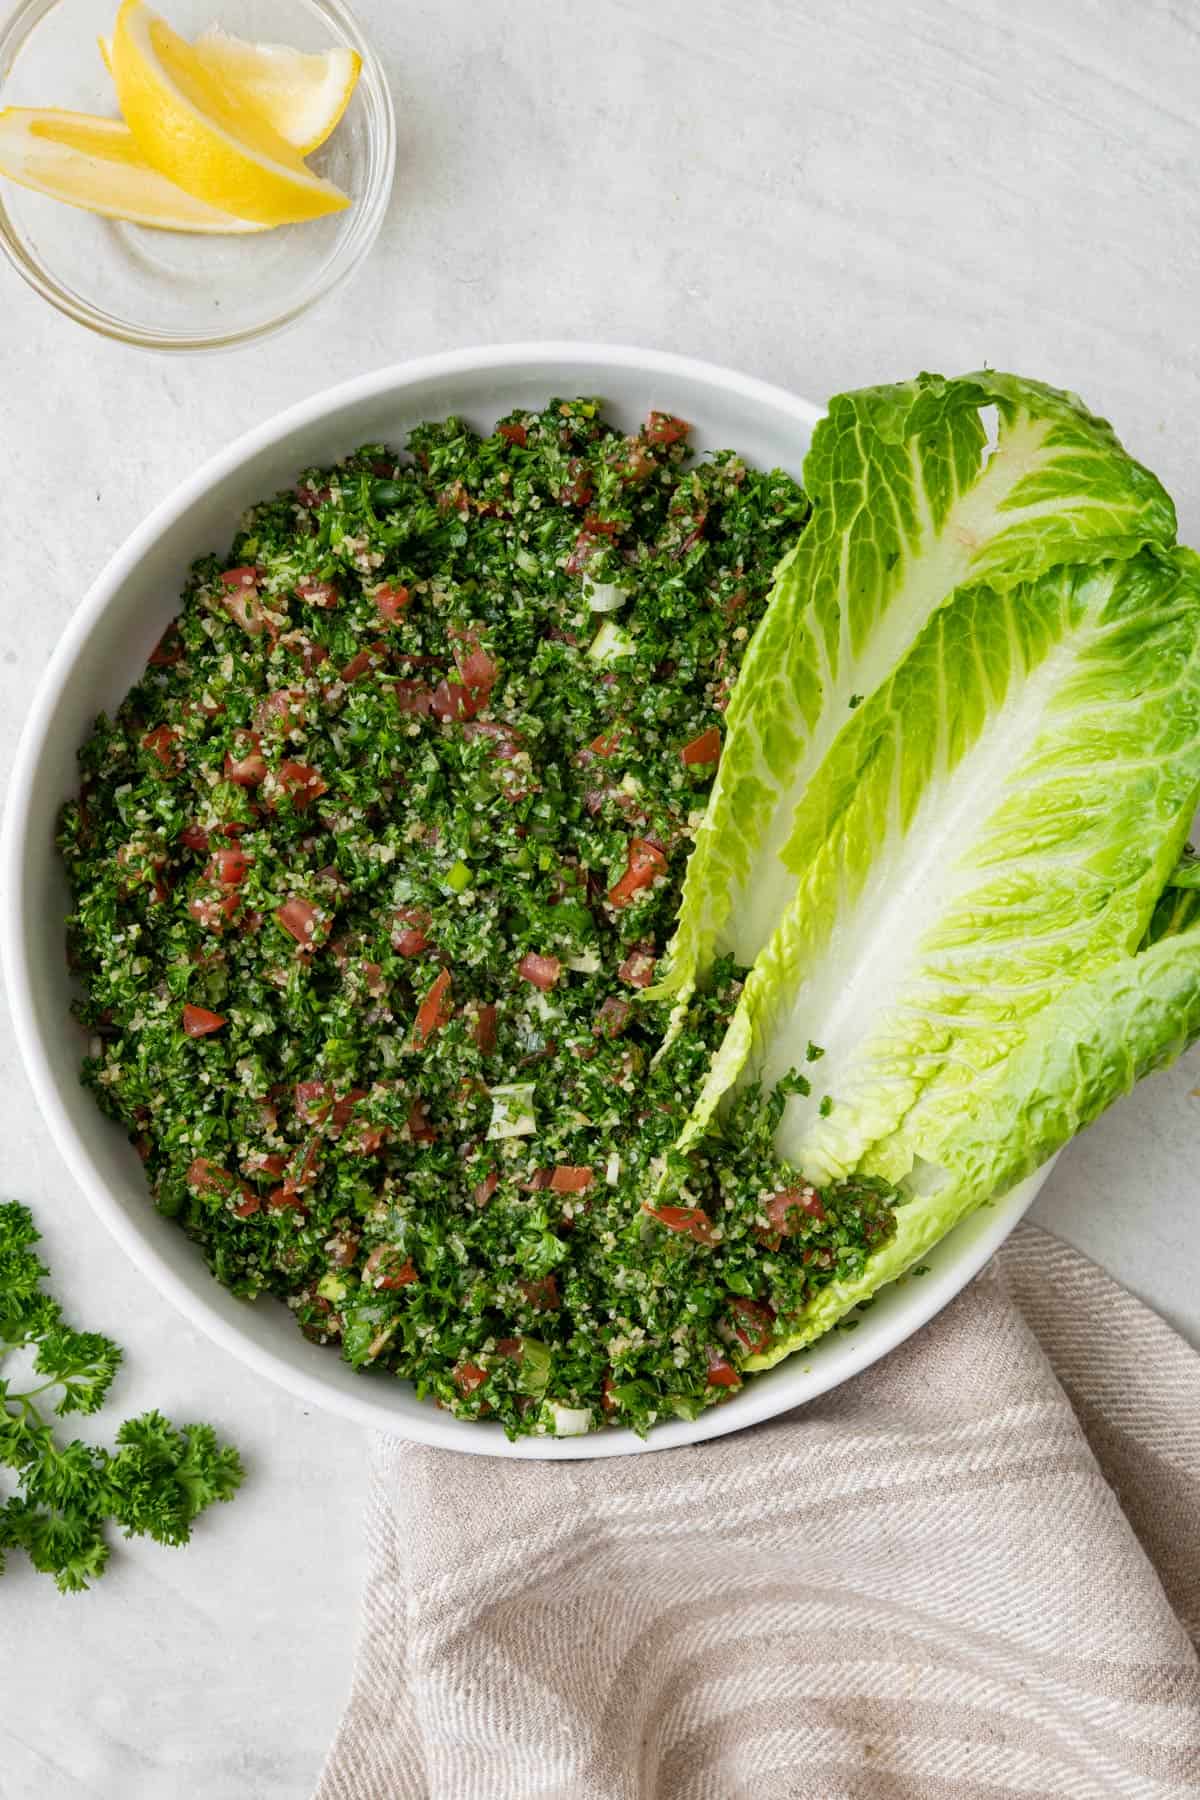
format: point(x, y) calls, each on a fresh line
point(573, 920)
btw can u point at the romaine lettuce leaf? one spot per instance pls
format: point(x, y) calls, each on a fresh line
point(909, 504)
point(1103, 1035)
point(995, 825)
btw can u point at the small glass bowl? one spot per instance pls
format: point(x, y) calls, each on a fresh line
point(174, 290)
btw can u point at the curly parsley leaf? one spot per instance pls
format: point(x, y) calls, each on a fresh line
point(156, 1481)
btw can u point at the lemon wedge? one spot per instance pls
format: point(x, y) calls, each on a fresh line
point(96, 164)
point(196, 129)
point(299, 94)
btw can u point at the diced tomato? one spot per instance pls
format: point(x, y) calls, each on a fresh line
point(435, 1010)
point(571, 1178)
point(637, 970)
point(639, 461)
point(646, 863)
point(229, 867)
point(514, 434)
point(211, 913)
point(303, 783)
point(248, 766)
point(542, 971)
point(503, 738)
point(419, 1128)
point(703, 749)
point(608, 1398)
point(414, 697)
point(271, 1163)
point(169, 648)
point(387, 1267)
point(536, 1181)
point(199, 1022)
point(787, 1210)
point(608, 742)
point(485, 1029)
point(721, 1372)
point(308, 496)
point(753, 1324)
point(541, 1294)
point(391, 601)
point(693, 1221)
point(285, 1199)
point(409, 927)
point(665, 428)
point(366, 659)
point(342, 1249)
point(368, 1140)
point(208, 1177)
point(314, 1101)
point(577, 490)
point(476, 668)
point(468, 1376)
point(304, 1167)
point(373, 981)
point(194, 837)
point(242, 599)
point(612, 1018)
point(247, 576)
point(452, 700)
point(301, 920)
point(282, 710)
point(162, 744)
point(318, 593)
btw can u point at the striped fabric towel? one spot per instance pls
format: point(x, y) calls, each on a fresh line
point(974, 1571)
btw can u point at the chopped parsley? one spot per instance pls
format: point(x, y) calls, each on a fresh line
point(372, 871)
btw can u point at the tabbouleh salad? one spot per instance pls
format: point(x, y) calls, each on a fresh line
point(370, 873)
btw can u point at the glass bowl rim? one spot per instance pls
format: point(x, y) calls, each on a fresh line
point(369, 210)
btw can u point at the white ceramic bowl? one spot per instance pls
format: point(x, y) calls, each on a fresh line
point(101, 654)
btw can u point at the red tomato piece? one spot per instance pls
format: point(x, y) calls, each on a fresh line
point(541, 1294)
point(783, 1209)
point(366, 659)
point(194, 837)
point(542, 971)
point(692, 1221)
point(318, 593)
point(162, 745)
point(721, 1372)
point(282, 710)
point(415, 697)
point(514, 434)
point(419, 1128)
point(244, 762)
point(391, 601)
point(612, 1018)
point(213, 914)
point(452, 700)
point(665, 428)
point(485, 1029)
point(242, 600)
point(230, 867)
point(199, 1022)
point(468, 1376)
point(486, 1188)
point(703, 749)
point(608, 742)
point(410, 925)
point(753, 1324)
point(303, 783)
point(435, 1010)
point(300, 919)
point(169, 648)
point(388, 1268)
point(646, 863)
point(638, 968)
point(571, 1178)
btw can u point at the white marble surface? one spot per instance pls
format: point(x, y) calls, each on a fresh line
point(823, 195)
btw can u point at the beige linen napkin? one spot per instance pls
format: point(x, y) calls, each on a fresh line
point(974, 1571)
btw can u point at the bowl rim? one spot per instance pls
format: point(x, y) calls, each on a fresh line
point(347, 256)
point(760, 1400)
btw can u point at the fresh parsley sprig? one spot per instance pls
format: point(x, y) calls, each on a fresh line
point(155, 1481)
